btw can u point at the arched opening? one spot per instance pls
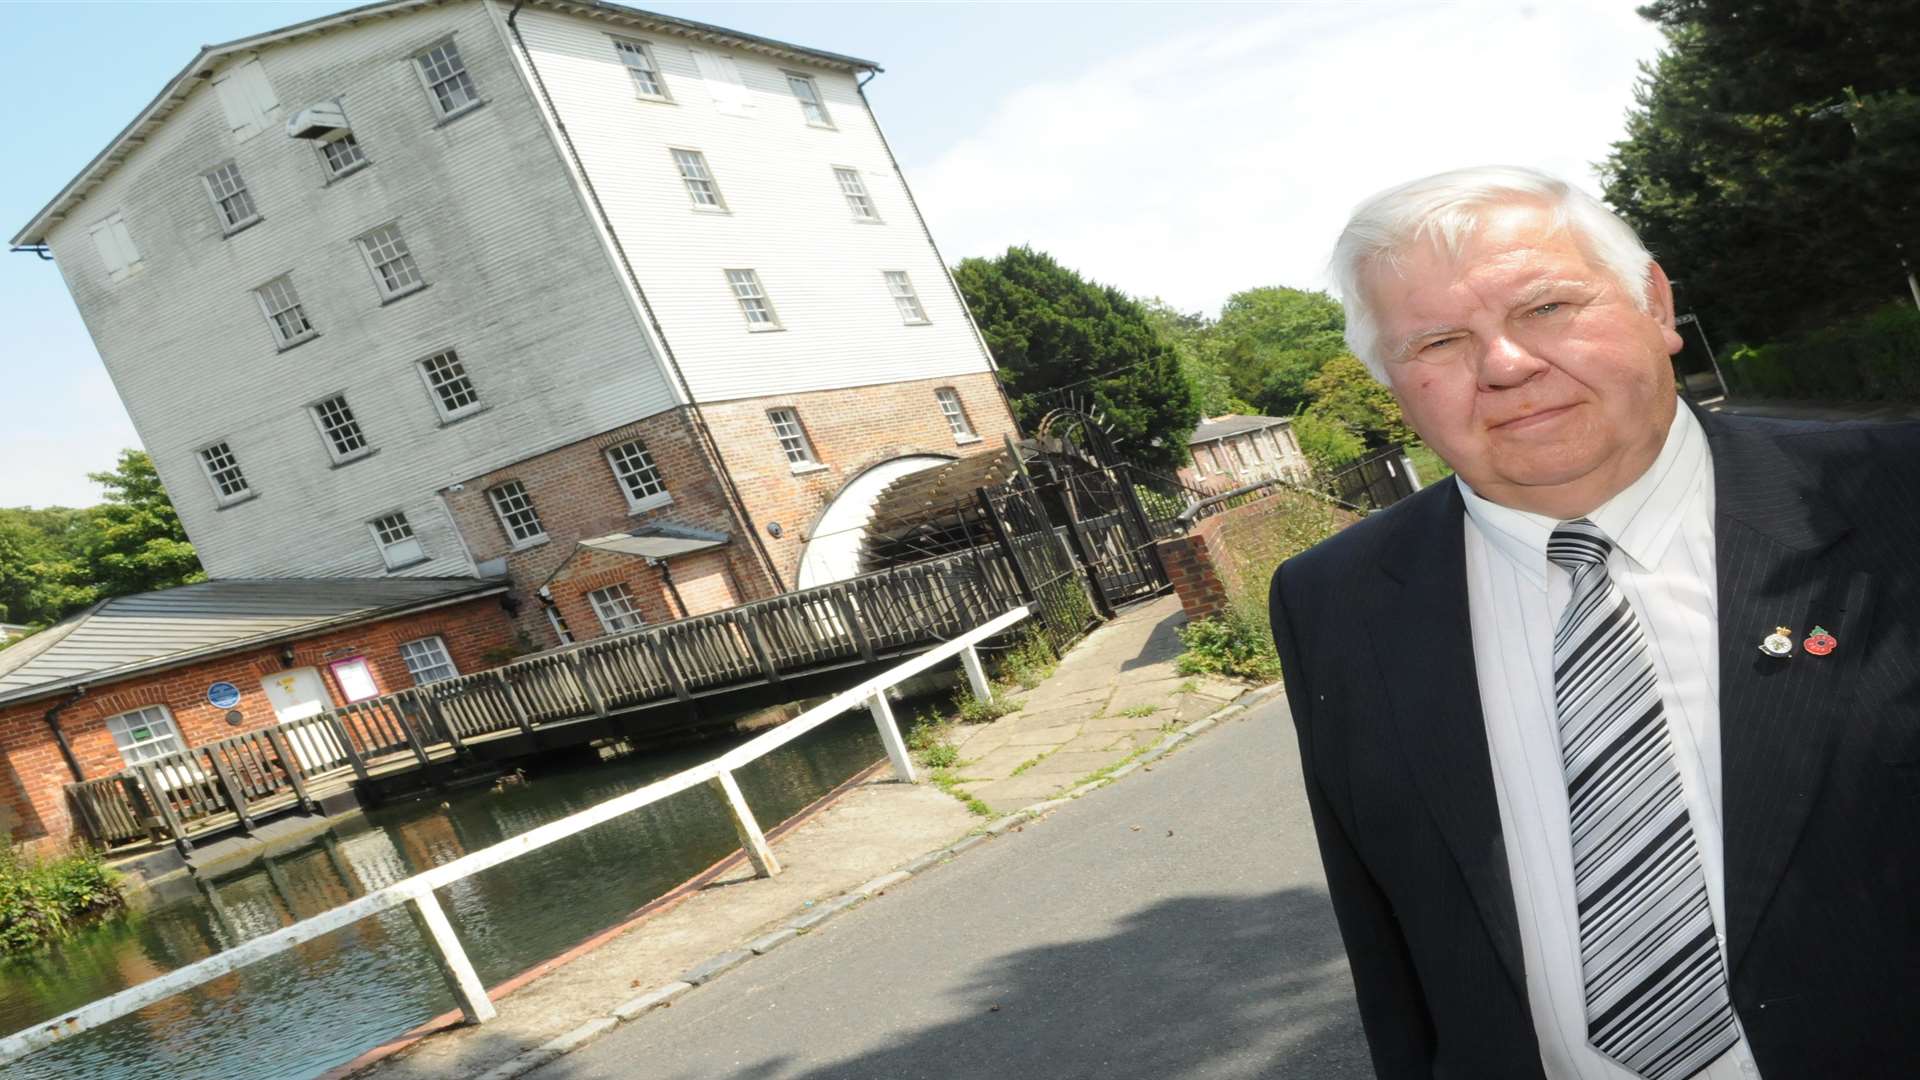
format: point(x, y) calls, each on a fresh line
point(833, 549)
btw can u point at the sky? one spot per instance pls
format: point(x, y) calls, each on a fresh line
point(1185, 151)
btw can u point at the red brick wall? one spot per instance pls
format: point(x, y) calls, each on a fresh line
point(704, 581)
point(1238, 549)
point(32, 795)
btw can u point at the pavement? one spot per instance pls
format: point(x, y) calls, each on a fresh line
point(1173, 924)
point(1113, 695)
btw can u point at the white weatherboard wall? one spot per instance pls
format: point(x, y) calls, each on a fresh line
point(786, 217)
point(519, 285)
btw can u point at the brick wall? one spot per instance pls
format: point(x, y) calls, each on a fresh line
point(704, 581)
point(1235, 551)
point(33, 801)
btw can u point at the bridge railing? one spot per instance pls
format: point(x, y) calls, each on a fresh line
point(416, 893)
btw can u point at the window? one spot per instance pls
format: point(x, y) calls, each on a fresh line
point(230, 198)
point(144, 734)
point(793, 437)
point(721, 76)
point(855, 189)
point(115, 246)
point(515, 507)
point(341, 154)
point(753, 300)
point(247, 98)
point(223, 471)
point(427, 660)
point(445, 75)
point(559, 623)
point(807, 92)
point(394, 271)
point(905, 298)
point(638, 477)
point(344, 438)
point(699, 181)
point(615, 608)
point(453, 392)
point(284, 313)
point(956, 415)
point(398, 546)
point(638, 56)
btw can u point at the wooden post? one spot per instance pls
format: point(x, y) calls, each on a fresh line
point(513, 702)
point(665, 660)
point(158, 794)
point(450, 958)
point(890, 736)
point(850, 615)
point(236, 798)
point(292, 766)
point(142, 805)
point(580, 676)
point(346, 745)
point(402, 706)
point(751, 629)
point(752, 840)
point(441, 725)
point(976, 675)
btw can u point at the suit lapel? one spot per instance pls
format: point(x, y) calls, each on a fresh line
point(1419, 625)
point(1780, 560)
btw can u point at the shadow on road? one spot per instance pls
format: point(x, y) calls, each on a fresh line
point(1221, 986)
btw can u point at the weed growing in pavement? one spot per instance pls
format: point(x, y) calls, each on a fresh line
point(1108, 769)
point(1139, 711)
point(928, 739)
point(971, 710)
point(1191, 686)
point(947, 781)
point(1235, 643)
point(1028, 662)
point(1029, 763)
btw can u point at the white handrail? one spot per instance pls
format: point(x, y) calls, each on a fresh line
point(418, 889)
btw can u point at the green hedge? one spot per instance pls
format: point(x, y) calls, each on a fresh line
point(1873, 358)
point(41, 899)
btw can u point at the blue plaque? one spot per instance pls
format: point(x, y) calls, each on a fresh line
point(223, 695)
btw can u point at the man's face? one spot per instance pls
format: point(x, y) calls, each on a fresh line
point(1526, 366)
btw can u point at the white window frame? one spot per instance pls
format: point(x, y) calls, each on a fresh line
point(441, 112)
point(426, 655)
point(794, 441)
point(154, 718)
point(397, 550)
point(223, 183)
point(280, 340)
point(344, 135)
point(747, 290)
point(333, 418)
point(623, 48)
point(616, 608)
point(905, 298)
point(220, 494)
point(434, 389)
point(955, 412)
point(859, 199)
point(645, 476)
point(386, 240)
point(114, 244)
point(819, 101)
point(498, 492)
point(698, 160)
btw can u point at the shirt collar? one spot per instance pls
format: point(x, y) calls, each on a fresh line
point(1641, 520)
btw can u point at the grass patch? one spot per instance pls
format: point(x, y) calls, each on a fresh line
point(1237, 644)
point(42, 900)
point(1139, 711)
point(1191, 686)
point(929, 741)
point(971, 710)
point(1427, 464)
point(946, 781)
point(1105, 771)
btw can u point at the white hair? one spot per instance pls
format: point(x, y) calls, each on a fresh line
point(1445, 209)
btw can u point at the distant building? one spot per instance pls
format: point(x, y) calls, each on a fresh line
point(1232, 450)
point(13, 631)
point(619, 316)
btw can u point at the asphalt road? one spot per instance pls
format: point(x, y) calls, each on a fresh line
point(1172, 925)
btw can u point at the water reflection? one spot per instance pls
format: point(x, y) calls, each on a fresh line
point(332, 998)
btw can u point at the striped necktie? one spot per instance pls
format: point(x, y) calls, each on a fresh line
point(1655, 984)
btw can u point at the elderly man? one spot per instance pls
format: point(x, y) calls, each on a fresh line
point(1612, 742)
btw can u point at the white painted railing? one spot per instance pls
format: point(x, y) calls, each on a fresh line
point(416, 892)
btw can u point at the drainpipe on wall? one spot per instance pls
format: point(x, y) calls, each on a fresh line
point(666, 578)
point(60, 737)
point(701, 430)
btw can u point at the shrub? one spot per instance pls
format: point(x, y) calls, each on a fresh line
point(40, 900)
point(1327, 444)
point(971, 710)
point(1875, 357)
point(1231, 644)
point(1028, 661)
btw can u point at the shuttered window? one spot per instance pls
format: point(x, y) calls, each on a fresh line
point(247, 98)
point(114, 244)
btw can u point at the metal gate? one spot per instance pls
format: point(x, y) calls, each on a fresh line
point(1046, 572)
point(1375, 482)
point(1096, 500)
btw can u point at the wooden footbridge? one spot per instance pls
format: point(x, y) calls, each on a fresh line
point(622, 684)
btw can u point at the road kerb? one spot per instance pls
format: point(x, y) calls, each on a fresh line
point(651, 1000)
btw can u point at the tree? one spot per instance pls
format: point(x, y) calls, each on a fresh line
point(1054, 333)
point(133, 541)
point(1346, 393)
point(1272, 340)
point(36, 564)
point(1191, 335)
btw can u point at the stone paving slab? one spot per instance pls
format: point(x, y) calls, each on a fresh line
point(1047, 736)
point(1074, 764)
point(1158, 693)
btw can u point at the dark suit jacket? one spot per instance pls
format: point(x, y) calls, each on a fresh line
point(1814, 523)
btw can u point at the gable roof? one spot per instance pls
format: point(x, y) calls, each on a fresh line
point(201, 67)
point(129, 634)
point(1221, 427)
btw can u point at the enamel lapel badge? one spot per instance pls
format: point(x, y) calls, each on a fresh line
point(1820, 643)
point(1778, 644)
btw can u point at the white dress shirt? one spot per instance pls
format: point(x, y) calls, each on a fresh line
point(1662, 530)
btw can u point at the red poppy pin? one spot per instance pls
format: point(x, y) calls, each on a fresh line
point(1820, 643)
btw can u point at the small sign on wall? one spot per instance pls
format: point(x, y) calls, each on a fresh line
point(223, 695)
point(355, 678)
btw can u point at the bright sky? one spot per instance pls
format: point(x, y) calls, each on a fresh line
point(1181, 150)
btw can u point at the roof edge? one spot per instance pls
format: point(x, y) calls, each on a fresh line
point(481, 590)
